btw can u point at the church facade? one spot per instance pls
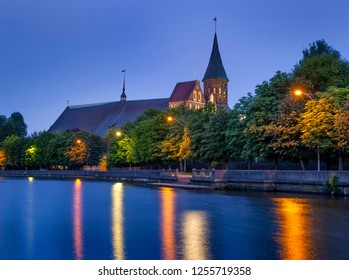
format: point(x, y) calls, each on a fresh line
point(99, 118)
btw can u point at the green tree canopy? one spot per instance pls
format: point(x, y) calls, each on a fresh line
point(14, 125)
point(321, 67)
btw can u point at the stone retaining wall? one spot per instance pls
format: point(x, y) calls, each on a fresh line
point(274, 180)
point(122, 175)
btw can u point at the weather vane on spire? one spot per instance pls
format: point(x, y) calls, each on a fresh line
point(215, 24)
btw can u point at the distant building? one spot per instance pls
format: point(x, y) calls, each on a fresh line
point(188, 93)
point(99, 118)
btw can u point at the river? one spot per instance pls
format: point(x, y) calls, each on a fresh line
point(77, 219)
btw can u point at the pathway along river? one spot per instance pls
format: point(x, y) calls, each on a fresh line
point(75, 219)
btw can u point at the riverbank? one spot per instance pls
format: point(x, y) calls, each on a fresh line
point(323, 182)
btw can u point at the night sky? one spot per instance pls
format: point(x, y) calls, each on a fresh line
point(54, 51)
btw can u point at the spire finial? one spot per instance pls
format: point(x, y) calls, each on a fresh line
point(215, 24)
point(123, 94)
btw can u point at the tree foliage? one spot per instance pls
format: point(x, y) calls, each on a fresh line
point(14, 125)
point(321, 67)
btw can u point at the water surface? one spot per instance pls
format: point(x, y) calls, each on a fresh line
point(76, 219)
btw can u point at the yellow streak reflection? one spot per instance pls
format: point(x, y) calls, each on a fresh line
point(77, 220)
point(195, 236)
point(118, 221)
point(293, 219)
point(168, 223)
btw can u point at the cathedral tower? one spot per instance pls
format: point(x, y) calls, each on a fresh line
point(215, 79)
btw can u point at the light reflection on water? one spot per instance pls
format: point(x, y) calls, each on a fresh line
point(52, 219)
point(118, 221)
point(195, 235)
point(77, 220)
point(293, 217)
point(168, 238)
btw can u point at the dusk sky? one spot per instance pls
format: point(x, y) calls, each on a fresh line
point(54, 51)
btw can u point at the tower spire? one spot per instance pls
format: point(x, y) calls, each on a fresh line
point(215, 24)
point(123, 94)
point(215, 79)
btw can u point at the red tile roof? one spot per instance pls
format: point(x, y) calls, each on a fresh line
point(182, 91)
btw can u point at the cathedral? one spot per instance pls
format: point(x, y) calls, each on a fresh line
point(99, 118)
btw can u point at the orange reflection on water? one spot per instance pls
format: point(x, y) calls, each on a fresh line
point(195, 236)
point(77, 220)
point(118, 221)
point(294, 221)
point(168, 223)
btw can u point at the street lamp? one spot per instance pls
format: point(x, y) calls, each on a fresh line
point(118, 133)
point(171, 119)
point(299, 92)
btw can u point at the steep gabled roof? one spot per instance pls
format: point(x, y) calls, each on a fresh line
point(215, 69)
point(98, 118)
point(182, 91)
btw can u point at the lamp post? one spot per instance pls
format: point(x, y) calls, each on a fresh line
point(299, 92)
point(171, 119)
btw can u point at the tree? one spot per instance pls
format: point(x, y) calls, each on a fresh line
point(121, 151)
point(285, 132)
point(261, 112)
point(14, 125)
point(19, 126)
point(236, 138)
point(37, 150)
point(3, 158)
point(149, 132)
point(340, 131)
point(56, 149)
point(176, 146)
point(316, 125)
point(214, 141)
point(196, 125)
point(321, 67)
point(14, 147)
point(84, 148)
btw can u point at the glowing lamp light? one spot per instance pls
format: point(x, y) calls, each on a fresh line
point(78, 141)
point(169, 119)
point(298, 92)
point(118, 133)
point(30, 179)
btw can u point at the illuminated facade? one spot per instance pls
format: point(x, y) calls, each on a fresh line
point(215, 85)
point(188, 93)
